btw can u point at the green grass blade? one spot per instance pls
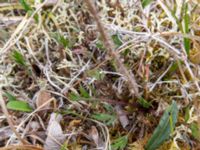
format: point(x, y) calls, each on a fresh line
point(120, 143)
point(83, 92)
point(145, 3)
point(25, 5)
point(116, 40)
point(186, 20)
point(165, 127)
point(106, 118)
point(19, 58)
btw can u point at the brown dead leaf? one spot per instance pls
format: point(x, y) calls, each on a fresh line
point(74, 123)
point(42, 97)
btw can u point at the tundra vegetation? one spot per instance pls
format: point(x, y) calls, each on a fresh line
point(100, 74)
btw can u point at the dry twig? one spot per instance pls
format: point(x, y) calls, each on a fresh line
point(133, 86)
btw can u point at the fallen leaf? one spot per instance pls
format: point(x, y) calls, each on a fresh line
point(55, 136)
point(74, 123)
point(94, 135)
point(42, 97)
point(122, 116)
point(5, 133)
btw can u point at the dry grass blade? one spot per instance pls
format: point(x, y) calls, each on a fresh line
point(21, 147)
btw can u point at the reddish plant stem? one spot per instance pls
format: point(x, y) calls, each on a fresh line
point(133, 86)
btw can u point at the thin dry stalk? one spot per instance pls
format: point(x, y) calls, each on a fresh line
point(133, 86)
point(21, 147)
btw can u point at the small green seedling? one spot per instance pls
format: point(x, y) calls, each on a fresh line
point(120, 143)
point(19, 58)
point(105, 118)
point(28, 9)
point(17, 105)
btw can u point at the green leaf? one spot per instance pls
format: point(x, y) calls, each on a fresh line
point(61, 39)
point(187, 45)
point(116, 40)
point(173, 68)
point(165, 127)
point(10, 96)
point(145, 3)
point(108, 107)
point(186, 20)
point(71, 112)
point(19, 106)
point(19, 58)
point(29, 9)
point(25, 5)
point(195, 130)
point(100, 45)
point(144, 103)
point(106, 118)
point(83, 92)
point(120, 143)
point(74, 97)
point(187, 114)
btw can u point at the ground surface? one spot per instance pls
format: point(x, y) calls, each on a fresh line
point(65, 86)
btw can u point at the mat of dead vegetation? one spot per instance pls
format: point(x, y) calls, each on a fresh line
point(100, 74)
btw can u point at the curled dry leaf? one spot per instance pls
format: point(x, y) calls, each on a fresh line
point(74, 123)
point(42, 97)
point(55, 136)
point(122, 116)
point(94, 135)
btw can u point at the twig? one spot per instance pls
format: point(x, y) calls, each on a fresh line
point(163, 74)
point(133, 87)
